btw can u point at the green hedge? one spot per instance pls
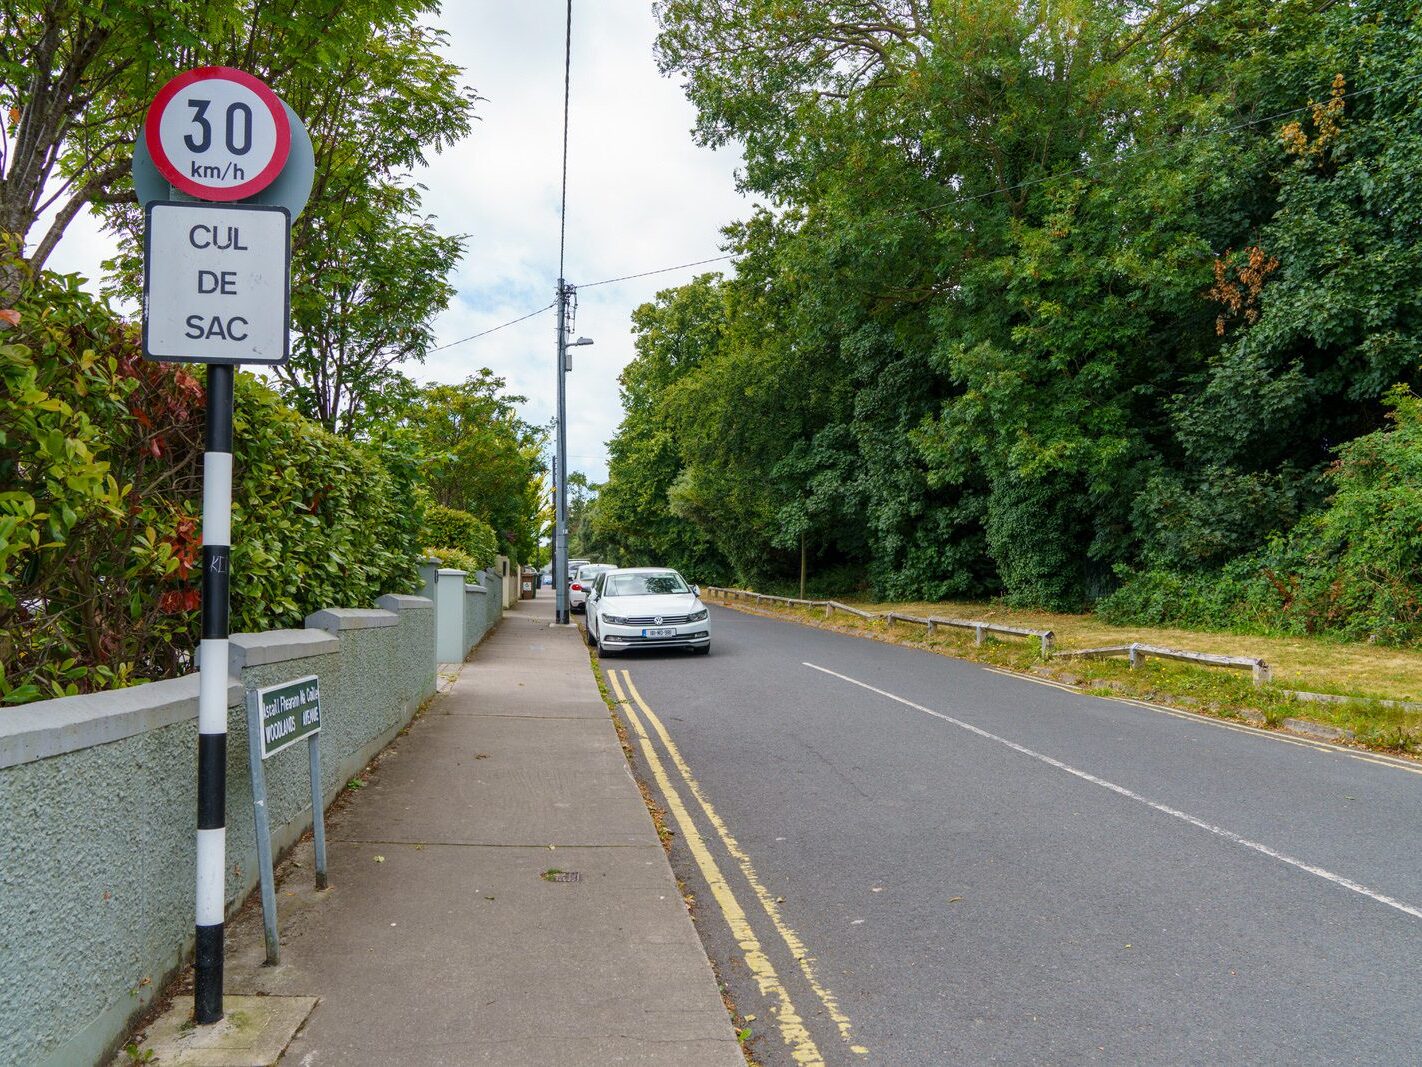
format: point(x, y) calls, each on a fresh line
point(100, 498)
point(452, 528)
point(317, 520)
point(453, 558)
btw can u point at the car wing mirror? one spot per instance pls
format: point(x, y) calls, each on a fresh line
point(696, 590)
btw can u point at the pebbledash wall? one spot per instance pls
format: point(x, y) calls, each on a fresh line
point(98, 810)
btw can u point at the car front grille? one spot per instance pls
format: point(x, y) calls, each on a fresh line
point(651, 620)
point(638, 639)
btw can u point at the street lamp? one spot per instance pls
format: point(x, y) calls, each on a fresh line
point(560, 527)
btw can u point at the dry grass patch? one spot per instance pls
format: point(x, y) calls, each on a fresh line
point(1321, 666)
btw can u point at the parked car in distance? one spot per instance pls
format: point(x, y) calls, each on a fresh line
point(583, 582)
point(573, 565)
point(646, 607)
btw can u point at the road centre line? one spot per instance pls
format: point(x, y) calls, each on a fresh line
point(1219, 831)
point(792, 1027)
point(1224, 724)
point(792, 940)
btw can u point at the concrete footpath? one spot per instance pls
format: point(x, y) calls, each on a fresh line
point(449, 935)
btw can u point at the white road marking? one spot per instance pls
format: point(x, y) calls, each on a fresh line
point(1218, 831)
point(1224, 724)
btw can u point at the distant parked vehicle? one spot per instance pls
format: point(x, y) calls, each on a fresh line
point(646, 607)
point(573, 565)
point(583, 582)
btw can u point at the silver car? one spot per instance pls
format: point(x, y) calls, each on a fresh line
point(582, 584)
point(646, 607)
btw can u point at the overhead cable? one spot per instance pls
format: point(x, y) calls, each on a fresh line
point(494, 329)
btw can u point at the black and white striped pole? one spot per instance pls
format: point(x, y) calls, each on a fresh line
point(212, 695)
point(215, 291)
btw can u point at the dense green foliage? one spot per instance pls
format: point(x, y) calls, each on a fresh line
point(1054, 298)
point(100, 490)
point(100, 450)
point(317, 520)
point(477, 455)
point(1353, 568)
point(452, 558)
point(470, 536)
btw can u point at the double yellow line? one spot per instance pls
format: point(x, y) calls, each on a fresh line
point(791, 1025)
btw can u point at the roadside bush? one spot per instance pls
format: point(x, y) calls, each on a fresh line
point(1035, 535)
point(100, 500)
point(451, 528)
point(100, 457)
point(454, 559)
point(317, 520)
point(1352, 569)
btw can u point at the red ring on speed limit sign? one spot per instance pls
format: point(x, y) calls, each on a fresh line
point(212, 156)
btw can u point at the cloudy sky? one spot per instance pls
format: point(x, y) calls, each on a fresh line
point(641, 196)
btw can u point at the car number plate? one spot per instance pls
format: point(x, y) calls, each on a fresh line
point(665, 632)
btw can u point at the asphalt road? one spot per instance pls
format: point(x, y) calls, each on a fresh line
point(979, 868)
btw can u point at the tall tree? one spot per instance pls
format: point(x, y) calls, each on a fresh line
point(1075, 287)
point(76, 78)
point(478, 455)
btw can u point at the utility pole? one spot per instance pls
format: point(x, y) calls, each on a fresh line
point(560, 466)
point(567, 307)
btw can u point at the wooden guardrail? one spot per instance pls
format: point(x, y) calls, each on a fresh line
point(980, 628)
point(1137, 651)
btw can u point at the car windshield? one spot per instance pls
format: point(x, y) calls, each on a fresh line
point(663, 584)
point(587, 574)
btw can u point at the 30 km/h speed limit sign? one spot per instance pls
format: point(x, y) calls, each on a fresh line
point(217, 133)
point(215, 292)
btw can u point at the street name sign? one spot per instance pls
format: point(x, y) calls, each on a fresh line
point(289, 712)
point(278, 716)
point(218, 133)
point(215, 283)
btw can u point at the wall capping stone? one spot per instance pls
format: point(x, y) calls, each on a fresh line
point(452, 570)
point(48, 728)
point(278, 646)
point(476, 589)
point(338, 619)
point(403, 602)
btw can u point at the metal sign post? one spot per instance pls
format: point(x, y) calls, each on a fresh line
point(216, 279)
point(277, 717)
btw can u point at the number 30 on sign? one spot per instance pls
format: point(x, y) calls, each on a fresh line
point(218, 133)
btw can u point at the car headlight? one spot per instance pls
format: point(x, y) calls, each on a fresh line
point(615, 620)
point(698, 616)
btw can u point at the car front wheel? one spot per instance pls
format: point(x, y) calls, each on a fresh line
point(588, 636)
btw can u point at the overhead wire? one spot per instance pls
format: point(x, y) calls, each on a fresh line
point(567, 96)
point(494, 329)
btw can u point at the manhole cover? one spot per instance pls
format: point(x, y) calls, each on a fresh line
point(564, 876)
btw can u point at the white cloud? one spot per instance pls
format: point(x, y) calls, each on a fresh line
point(641, 195)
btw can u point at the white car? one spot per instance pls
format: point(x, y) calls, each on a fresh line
point(646, 607)
point(582, 584)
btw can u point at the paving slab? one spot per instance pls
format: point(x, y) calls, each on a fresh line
point(510, 781)
point(498, 891)
point(253, 1032)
